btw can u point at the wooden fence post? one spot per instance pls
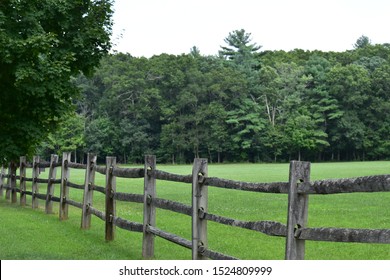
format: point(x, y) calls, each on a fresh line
point(50, 185)
point(297, 210)
point(1, 180)
point(22, 174)
point(65, 173)
point(149, 208)
point(35, 184)
point(14, 197)
point(8, 184)
point(88, 191)
point(110, 200)
point(2, 174)
point(199, 208)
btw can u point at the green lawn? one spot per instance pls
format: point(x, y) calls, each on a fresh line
point(31, 234)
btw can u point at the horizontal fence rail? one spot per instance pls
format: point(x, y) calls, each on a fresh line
point(298, 188)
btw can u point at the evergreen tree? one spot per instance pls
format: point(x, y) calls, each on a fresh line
point(239, 49)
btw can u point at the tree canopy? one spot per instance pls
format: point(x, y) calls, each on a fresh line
point(240, 105)
point(270, 106)
point(42, 45)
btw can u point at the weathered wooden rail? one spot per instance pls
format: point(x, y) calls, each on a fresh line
point(298, 189)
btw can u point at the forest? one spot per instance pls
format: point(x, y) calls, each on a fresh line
point(241, 105)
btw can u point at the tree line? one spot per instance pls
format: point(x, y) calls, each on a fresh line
point(242, 104)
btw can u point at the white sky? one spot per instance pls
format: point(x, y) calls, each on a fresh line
point(151, 27)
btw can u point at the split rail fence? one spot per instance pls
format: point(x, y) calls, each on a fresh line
point(298, 188)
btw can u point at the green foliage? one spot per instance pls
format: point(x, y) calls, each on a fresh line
point(242, 105)
point(240, 50)
point(69, 136)
point(304, 134)
point(238, 42)
point(362, 42)
point(43, 44)
point(298, 104)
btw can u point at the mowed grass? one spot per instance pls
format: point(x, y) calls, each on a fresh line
point(31, 234)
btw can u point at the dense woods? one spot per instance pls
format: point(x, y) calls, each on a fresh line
point(243, 104)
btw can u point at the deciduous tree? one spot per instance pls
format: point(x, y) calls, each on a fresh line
point(42, 44)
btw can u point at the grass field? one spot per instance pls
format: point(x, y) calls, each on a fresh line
point(31, 234)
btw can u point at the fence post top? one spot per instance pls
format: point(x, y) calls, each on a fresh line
point(201, 160)
point(110, 158)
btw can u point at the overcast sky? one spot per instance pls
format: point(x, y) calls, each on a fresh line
point(151, 27)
